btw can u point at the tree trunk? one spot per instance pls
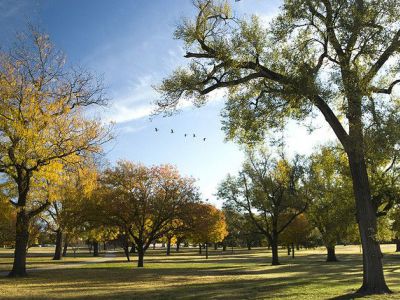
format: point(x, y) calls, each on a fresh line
point(168, 246)
point(373, 277)
point(126, 247)
point(64, 253)
point(178, 244)
point(215, 246)
point(288, 250)
point(57, 252)
point(126, 250)
point(95, 248)
point(21, 243)
point(274, 246)
point(224, 247)
point(331, 254)
point(397, 245)
point(293, 250)
point(206, 250)
point(200, 248)
point(140, 263)
point(104, 246)
point(133, 248)
point(248, 245)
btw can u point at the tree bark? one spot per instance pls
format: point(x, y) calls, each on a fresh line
point(215, 246)
point(248, 245)
point(275, 257)
point(373, 277)
point(331, 254)
point(289, 250)
point(21, 243)
point(206, 250)
point(58, 250)
point(168, 246)
point(95, 248)
point(64, 253)
point(140, 263)
point(126, 250)
point(133, 248)
point(200, 248)
point(292, 250)
point(178, 244)
point(274, 245)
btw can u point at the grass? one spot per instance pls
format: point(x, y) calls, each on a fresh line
point(186, 275)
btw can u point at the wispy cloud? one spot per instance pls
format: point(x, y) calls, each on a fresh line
point(138, 102)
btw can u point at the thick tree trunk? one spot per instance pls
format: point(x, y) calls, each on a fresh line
point(58, 250)
point(140, 263)
point(95, 248)
point(104, 246)
point(274, 245)
point(224, 247)
point(178, 246)
point(133, 249)
point(289, 250)
point(206, 250)
point(64, 253)
point(275, 257)
point(21, 243)
point(373, 277)
point(168, 246)
point(200, 248)
point(215, 246)
point(331, 254)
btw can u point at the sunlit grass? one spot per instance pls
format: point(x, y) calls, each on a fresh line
point(186, 275)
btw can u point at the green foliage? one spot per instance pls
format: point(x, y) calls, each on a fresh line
point(332, 208)
point(268, 191)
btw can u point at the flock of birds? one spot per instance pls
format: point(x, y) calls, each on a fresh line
point(185, 135)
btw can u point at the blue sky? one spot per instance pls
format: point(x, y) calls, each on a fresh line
point(129, 42)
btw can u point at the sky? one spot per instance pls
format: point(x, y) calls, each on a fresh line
point(130, 44)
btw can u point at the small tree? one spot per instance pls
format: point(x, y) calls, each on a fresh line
point(208, 225)
point(267, 190)
point(296, 233)
point(332, 208)
point(143, 201)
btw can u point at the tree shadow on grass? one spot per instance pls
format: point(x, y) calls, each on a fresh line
point(303, 278)
point(349, 296)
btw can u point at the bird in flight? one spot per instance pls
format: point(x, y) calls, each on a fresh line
point(194, 135)
point(172, 131)
point(185, 134)
point(156, 129)
point(204, 139)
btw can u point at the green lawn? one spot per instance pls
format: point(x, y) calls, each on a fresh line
point(186, 275)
